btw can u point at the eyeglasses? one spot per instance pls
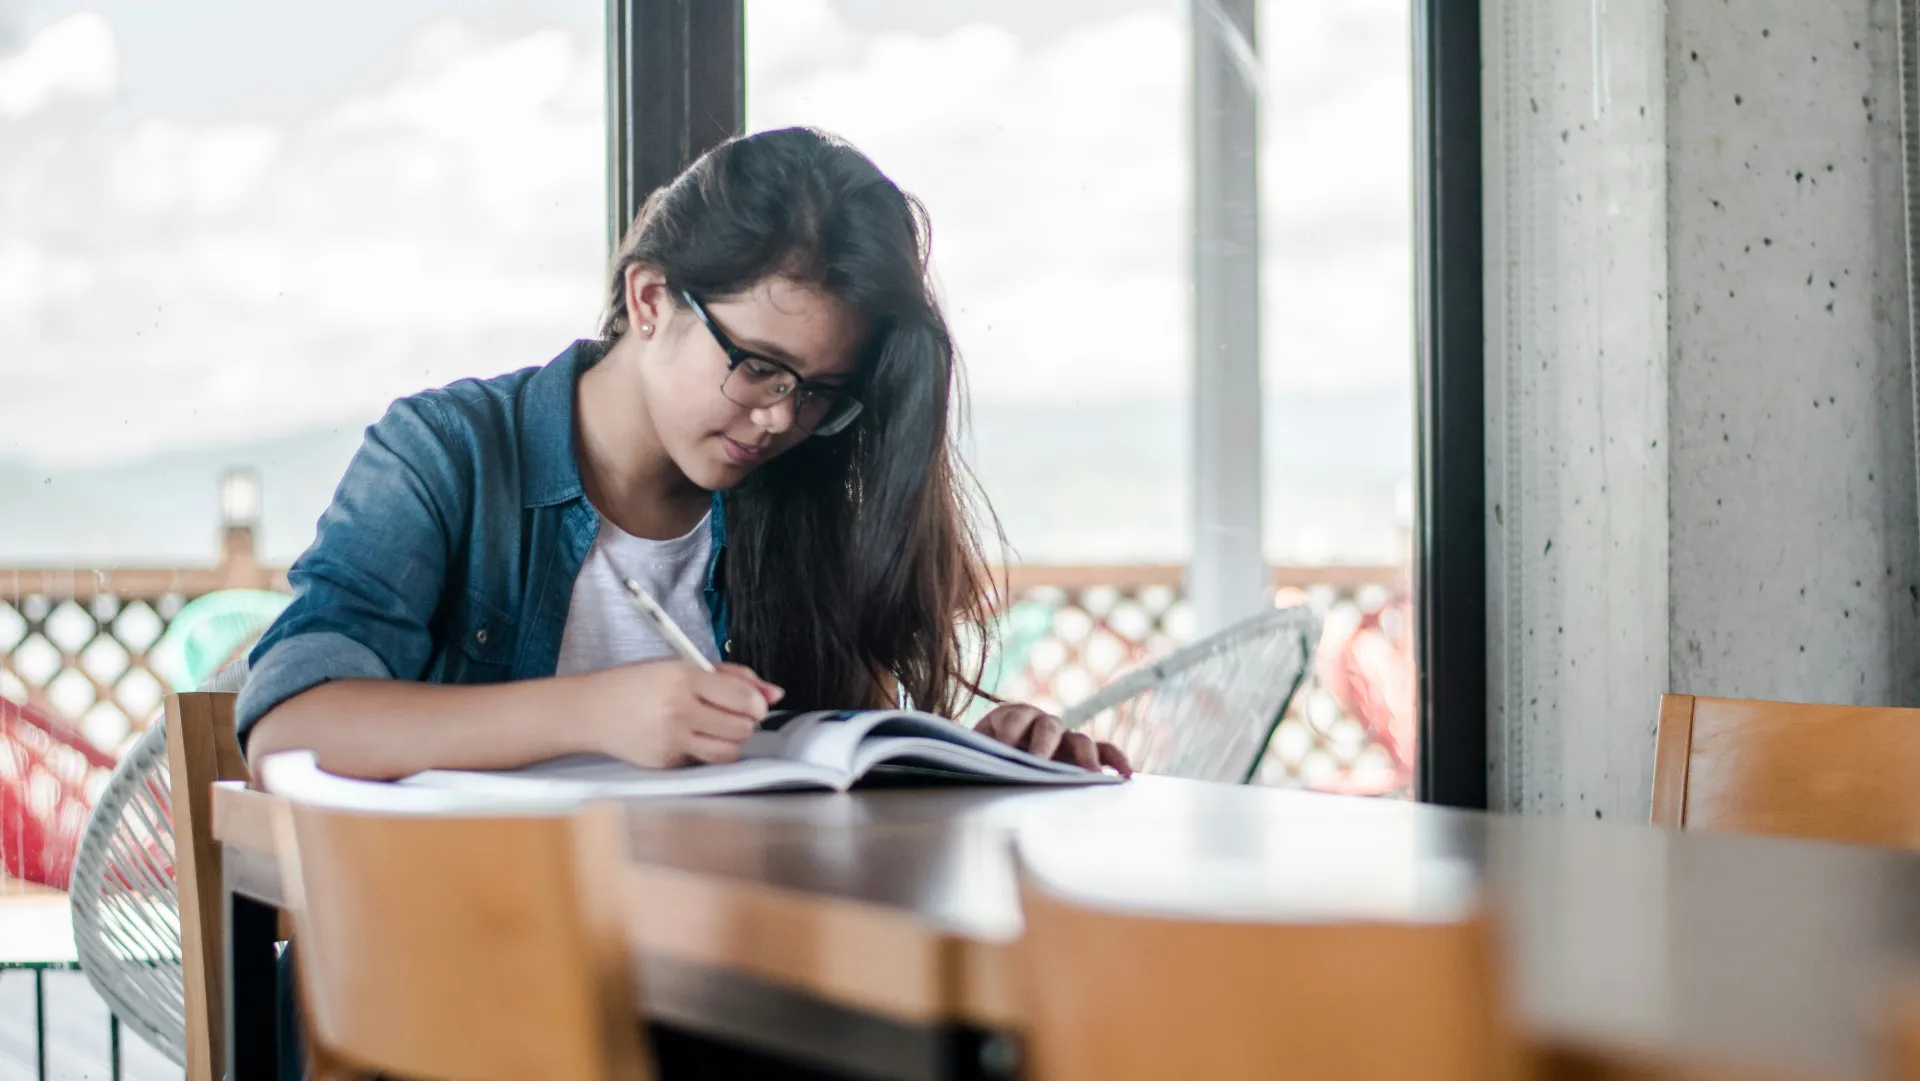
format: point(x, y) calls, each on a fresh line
point(759, 382)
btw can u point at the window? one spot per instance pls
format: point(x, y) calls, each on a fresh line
point(221, 253)
point(1051, 144)
point(1336, 187)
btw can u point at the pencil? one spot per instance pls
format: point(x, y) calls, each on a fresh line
point(650, 610)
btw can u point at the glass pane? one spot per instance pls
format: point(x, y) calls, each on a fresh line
point(1048, 142)
point(230, 234)
point(1337, 361)
point(1051, 144)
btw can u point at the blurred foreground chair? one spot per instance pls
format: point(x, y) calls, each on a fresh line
point(1112, 995)
point(1834, 773)
point(477, 945)
point(1208, 711)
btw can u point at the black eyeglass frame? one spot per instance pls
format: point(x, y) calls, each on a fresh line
point(803, 389)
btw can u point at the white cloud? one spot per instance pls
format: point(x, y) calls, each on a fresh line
point(213, 281)
point(216, 282)
point(75, 56)
point(1056, 174)
point(163, 168)
point(31, 276)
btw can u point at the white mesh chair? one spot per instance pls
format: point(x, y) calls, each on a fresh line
point(126, 914)
point(126, 907)
point(1207, 712)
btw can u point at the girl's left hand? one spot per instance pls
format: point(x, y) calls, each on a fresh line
point(1033, 731)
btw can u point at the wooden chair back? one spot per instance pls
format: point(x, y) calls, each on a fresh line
point(1112, 996)
point(468, 948)
point(1835, 773)
point(201, 749)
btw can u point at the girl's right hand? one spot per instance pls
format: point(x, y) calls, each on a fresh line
point(660, 714)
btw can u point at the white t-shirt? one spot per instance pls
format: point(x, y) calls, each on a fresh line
point(603, 629)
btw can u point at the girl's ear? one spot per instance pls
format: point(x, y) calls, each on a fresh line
point(649, 301)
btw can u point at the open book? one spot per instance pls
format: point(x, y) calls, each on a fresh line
point(791, 750)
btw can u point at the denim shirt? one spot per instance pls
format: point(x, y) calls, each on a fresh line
point(451, 547)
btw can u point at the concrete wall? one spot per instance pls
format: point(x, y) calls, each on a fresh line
point(1662, 485)
point(1793, 524)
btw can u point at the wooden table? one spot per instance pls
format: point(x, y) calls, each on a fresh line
point(865, 934)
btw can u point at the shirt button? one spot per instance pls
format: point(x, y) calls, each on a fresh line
point(480, 636)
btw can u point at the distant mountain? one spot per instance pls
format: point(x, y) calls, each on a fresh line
point(166, 510)
point(1108, 481)
point(1082, 481)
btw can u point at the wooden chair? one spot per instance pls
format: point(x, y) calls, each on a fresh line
point(468, 948)
point(1835, 773)
point(201, 749)
point(1112, 996)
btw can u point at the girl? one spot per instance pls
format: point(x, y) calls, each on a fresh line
point(760, 437)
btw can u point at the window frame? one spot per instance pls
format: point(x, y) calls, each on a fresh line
point(676, 88)
point(676, 85)
point(1450, 531)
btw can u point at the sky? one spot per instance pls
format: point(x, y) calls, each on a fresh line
point(227, 221)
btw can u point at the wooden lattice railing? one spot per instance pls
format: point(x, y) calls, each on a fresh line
point(76, 644)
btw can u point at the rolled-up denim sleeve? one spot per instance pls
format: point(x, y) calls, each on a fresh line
point(365, 592)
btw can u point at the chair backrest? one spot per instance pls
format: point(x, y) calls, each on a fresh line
point(201, 749)
point(126, 908)
point(1836, 773)
point(1111, 996)
point(463, 948)
point(1208, 711)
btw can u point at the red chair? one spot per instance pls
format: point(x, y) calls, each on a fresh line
point(1369, 670)
point(49, 775)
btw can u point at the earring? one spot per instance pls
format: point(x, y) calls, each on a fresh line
point(646, 328)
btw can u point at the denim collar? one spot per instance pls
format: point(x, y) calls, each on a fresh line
point(546, 432)
point(546, 443)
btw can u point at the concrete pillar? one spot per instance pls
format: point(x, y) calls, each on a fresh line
point(1793, 527)
point(1701, 453)
point(1576, 381)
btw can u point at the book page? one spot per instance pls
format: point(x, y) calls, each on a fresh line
point(585, 777)
point(819, 750)
point(826, 739)
point(781, 734)
point(919, 753)
point(854, 742)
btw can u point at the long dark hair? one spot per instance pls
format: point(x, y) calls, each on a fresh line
point(851, 563)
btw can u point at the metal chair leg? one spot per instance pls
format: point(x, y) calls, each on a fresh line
point(113, 1045)
point(40, 1020)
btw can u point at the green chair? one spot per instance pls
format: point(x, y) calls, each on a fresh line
point(211, 632)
